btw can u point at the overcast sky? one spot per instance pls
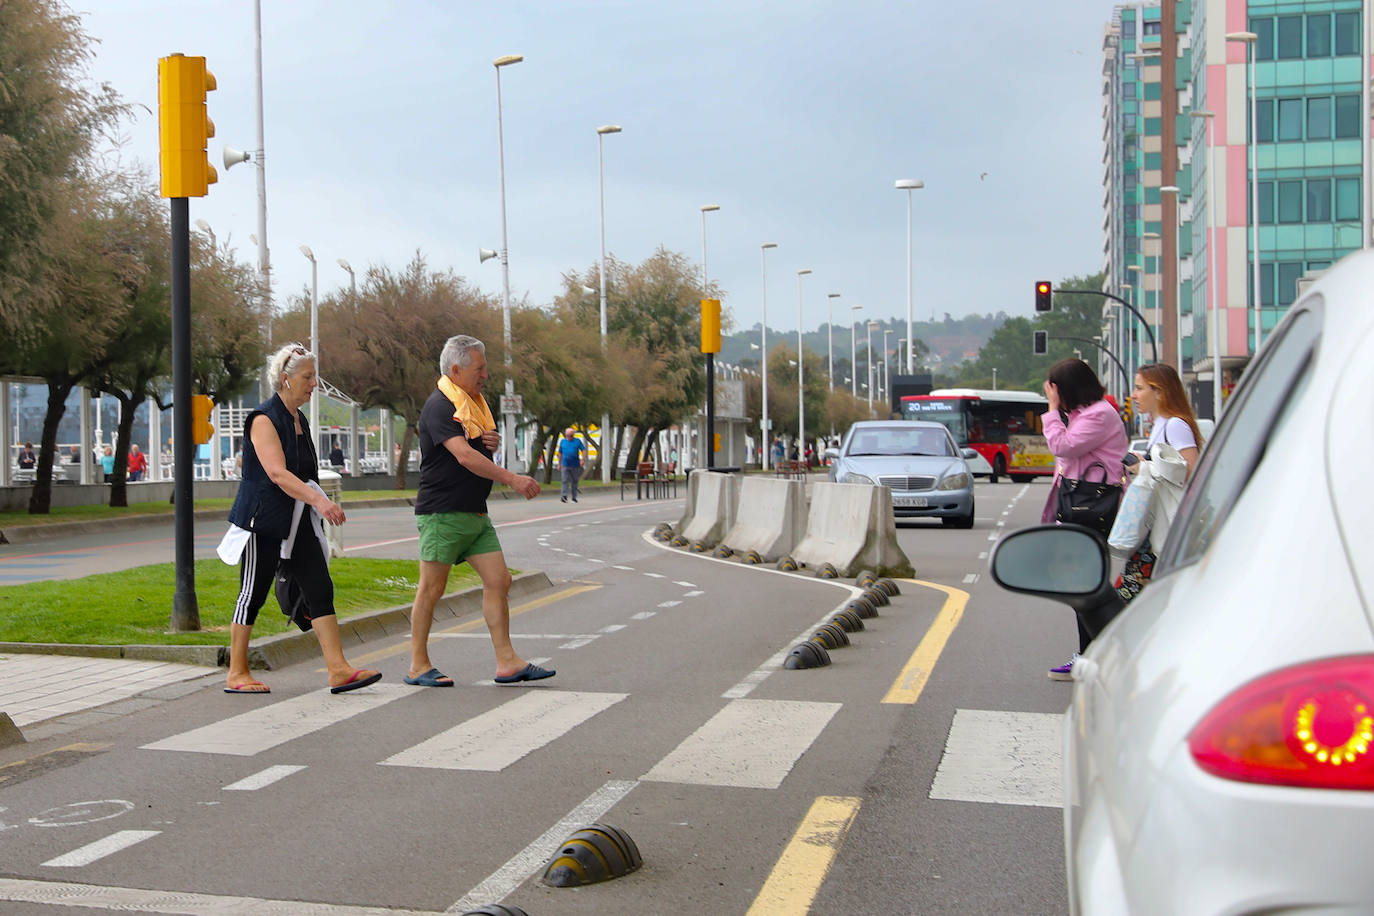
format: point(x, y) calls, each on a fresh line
point(795, 117)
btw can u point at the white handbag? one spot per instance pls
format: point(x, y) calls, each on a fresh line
point(1150, 502)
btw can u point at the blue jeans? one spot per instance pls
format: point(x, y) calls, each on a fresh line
point(571, 474)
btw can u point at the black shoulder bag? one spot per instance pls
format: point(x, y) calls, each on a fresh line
point(1090, 503)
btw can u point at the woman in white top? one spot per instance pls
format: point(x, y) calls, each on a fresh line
point(1159, 393)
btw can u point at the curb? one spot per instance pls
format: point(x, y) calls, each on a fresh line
point(273, 652)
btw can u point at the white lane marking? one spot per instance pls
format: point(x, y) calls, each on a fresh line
point(993, 536)
point(496, 739)
point(684, 584)
point(612, 627)
point(572, 554)
point(93, 852)
point(558, 550)
point(669, 603)
point(578, 643)
point(643, 615)
point(262, 779)
point(626, 568)
point(502, 882)
point(485, 636)
point(983, 555)
point(748, 744)
point(970, 578)
point(254, 732)
point(1009, 758)
point(178, 903)
point(693, 594)
point(656, 575)
point(594, 560)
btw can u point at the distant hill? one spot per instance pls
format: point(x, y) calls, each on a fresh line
point(952, 340)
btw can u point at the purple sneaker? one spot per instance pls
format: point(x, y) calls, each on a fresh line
point(1063, 672)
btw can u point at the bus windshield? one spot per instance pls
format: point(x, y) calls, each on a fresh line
point(951, 413)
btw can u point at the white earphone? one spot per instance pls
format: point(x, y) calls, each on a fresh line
point(288, 383)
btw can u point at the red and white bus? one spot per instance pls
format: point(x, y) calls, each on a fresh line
point(1003, 427)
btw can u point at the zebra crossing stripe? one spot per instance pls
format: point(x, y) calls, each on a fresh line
point(496, 739)
point(93, 852)
point(177, 903)
point(254, 732)
point(748, 744)
point(1009, 758)
point(262, 779)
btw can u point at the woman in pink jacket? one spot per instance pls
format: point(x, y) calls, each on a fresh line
point(1092, 434)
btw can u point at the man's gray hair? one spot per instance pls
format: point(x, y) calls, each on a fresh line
point(458, 351)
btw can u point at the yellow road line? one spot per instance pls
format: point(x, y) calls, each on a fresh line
point(478, 621)
point(795, 880)
point(912, 680)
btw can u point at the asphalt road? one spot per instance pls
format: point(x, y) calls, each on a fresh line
point(916, 774)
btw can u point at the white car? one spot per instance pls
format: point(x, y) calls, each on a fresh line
point(1219, 745)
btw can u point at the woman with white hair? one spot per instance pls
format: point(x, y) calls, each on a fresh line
point(275, 522)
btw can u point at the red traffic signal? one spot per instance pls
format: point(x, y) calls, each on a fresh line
point(1042, 296)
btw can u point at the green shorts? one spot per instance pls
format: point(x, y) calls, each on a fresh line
point(452, 537)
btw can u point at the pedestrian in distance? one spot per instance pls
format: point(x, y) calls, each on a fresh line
point(28, 458)
point(336, 459)
point(1082, 431)
point(138, 463)
point(107, 463)
point(457, 439)
point(74, 455)
point(275, 524)
point(570, 452)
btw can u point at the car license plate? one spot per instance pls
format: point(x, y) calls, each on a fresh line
point(909, 502)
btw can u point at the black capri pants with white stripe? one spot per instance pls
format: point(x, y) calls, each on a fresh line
point(258, 569)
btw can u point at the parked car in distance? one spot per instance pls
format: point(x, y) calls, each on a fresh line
point(1219, 744)
point(917, 460)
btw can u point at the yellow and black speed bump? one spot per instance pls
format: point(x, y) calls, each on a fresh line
point(700, 547)
point(664, 532)
point(722, 551)
point(877, 596)
point(848, 620)
point(496, 909)
point(827, 571)
point(597, 852)
point(865, 578)
point(863, 607)
point(889, 586)
point(809, 654)
point(679, 541)
point(831, 635)
point(753, 558)
point(787, 563)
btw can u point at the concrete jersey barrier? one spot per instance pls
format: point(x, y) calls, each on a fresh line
point(851, 527)
point(771, 517)
point(711, 501)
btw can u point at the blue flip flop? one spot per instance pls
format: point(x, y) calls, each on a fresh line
point(430, 678)
point(530, 672)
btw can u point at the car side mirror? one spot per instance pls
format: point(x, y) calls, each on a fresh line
point(832, 453)
point(969, 453)
point(1065, 563)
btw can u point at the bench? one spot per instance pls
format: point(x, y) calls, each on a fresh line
point(650, 480)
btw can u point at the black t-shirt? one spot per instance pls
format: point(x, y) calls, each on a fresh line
point(445, 485)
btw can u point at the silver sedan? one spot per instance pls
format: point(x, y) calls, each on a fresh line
point(915, 459)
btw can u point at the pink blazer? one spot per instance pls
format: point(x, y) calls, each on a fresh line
point(1095, 434)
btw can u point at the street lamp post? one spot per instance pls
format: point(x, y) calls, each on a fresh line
point(853, 353)
point(1250, 38)
point(909, 185)
point(872, 326)
point(1178, 256)
point(314, 342)
point(508, 419)
point(764, 436)
point(887, 370)
point(1212, 264)
point(830, 337)
point(352, 280)
point(203, 226)
point(801, 372)
point(606, 457)
point(707, 208)
point(1132, 336)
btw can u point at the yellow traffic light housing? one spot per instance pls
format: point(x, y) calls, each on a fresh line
point(1128, 409)
point(710, 326)
point(202, 405)
point(184, 128)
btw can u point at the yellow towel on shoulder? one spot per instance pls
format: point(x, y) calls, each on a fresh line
point(472, 412)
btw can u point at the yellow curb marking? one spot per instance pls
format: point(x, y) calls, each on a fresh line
point(912, 679)
point(795, 880)
point(478, 621)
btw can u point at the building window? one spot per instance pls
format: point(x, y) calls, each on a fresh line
point(1266, 284)
point(1289, 37)
point(1290, 119)
point(1347, 199)
point(1319, 118)
point(1264, 46)
point(1128, 90)
point(1347, 34)
point(1290, 201)
point(1264, 117)
point(1347, 116)
point(1151, 28)
point(1319, 200)
point(1266, 202)
point(1289, 272)
point(1319, 35)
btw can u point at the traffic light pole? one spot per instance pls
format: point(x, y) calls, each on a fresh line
point(185, 609)
point(1110, 355)
point(1154, 348)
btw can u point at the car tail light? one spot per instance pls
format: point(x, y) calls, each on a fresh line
point(1311, 725)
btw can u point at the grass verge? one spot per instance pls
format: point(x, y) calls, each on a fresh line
point(106, 513)
point(134, 606)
